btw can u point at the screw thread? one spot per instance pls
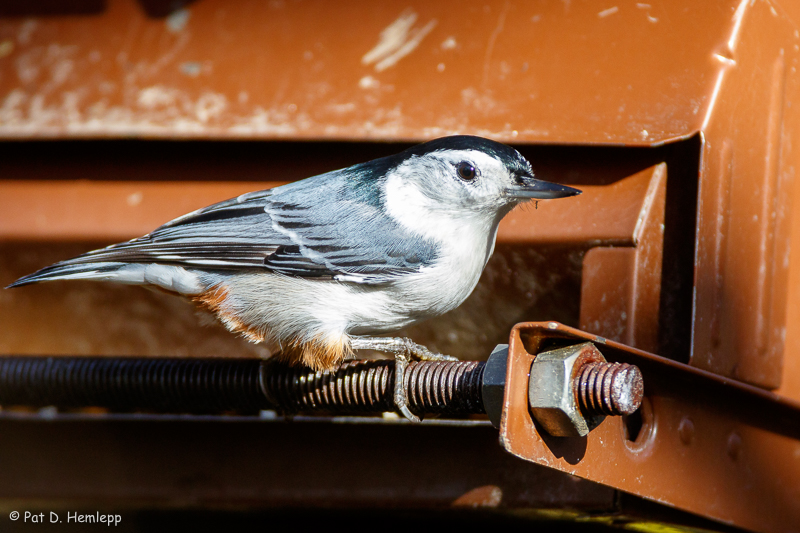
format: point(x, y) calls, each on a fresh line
point(609, 388)
point(123, 384)
point(432, 387)
point(241, 385)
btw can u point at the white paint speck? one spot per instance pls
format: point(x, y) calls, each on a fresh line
point(210, 105)
point(607, 12)
point(449, 43)
point(724, 59)
point(342, 109)
point(156, 96)
point(644, 133)
point(440, 67)
point(177, 20)
point(134, 199)
point(368, 82)
point(191, 68)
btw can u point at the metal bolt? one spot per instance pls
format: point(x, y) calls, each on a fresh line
point(572, 389)
point(609, 388)
point(239, 385)
point(452, 387)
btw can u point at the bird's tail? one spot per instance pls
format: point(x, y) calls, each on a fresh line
point(168, 277)
point(70, 270)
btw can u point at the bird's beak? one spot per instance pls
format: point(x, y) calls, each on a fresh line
point(529, 188)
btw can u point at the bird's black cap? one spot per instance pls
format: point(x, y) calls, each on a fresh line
point(509, 156)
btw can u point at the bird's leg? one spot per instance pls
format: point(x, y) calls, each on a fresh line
point(403, 350)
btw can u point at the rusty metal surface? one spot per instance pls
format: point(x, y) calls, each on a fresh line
point(250, 462)
point(532, 72)
point(621, 287)
point(703, 443)
point(747, 182)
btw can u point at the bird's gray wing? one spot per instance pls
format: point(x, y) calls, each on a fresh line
point(226, 235)
point(319, 228)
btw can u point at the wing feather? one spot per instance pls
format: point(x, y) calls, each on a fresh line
point(329, 226)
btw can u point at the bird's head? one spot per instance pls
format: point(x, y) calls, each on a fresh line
point(468, 174)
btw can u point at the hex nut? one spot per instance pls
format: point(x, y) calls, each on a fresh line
point(551, 394)
point(494, 383)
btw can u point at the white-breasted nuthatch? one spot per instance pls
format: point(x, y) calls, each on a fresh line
point(316, 268)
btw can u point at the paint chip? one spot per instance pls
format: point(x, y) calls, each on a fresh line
point(156, 96)
point(210, 105)
point(177, 20)
point(396, 41)
point(449, 43)
point(607, 12)
point(191, 68)
point(135, 198)
point(368, 82)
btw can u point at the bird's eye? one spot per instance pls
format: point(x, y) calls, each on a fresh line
point(466, 171)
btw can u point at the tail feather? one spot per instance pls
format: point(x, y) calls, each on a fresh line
point(168, 277)
point(65, 270)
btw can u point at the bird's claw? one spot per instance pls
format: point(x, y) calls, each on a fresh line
point(406, 412)
point(403, 350)
point(400, 394)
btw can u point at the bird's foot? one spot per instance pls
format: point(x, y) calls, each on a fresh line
point(403, 350)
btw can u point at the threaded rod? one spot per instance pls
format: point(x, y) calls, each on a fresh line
point(240, 385)
point(609, 388)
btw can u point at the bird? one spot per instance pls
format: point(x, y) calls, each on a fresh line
point(322, 267)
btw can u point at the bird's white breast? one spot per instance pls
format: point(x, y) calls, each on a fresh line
point(465, 240)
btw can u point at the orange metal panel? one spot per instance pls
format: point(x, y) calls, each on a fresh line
point(704, 444)
point(745, 203)
point(103, 210)
point(119, 210)
point(621, 287)
point(554, 72)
